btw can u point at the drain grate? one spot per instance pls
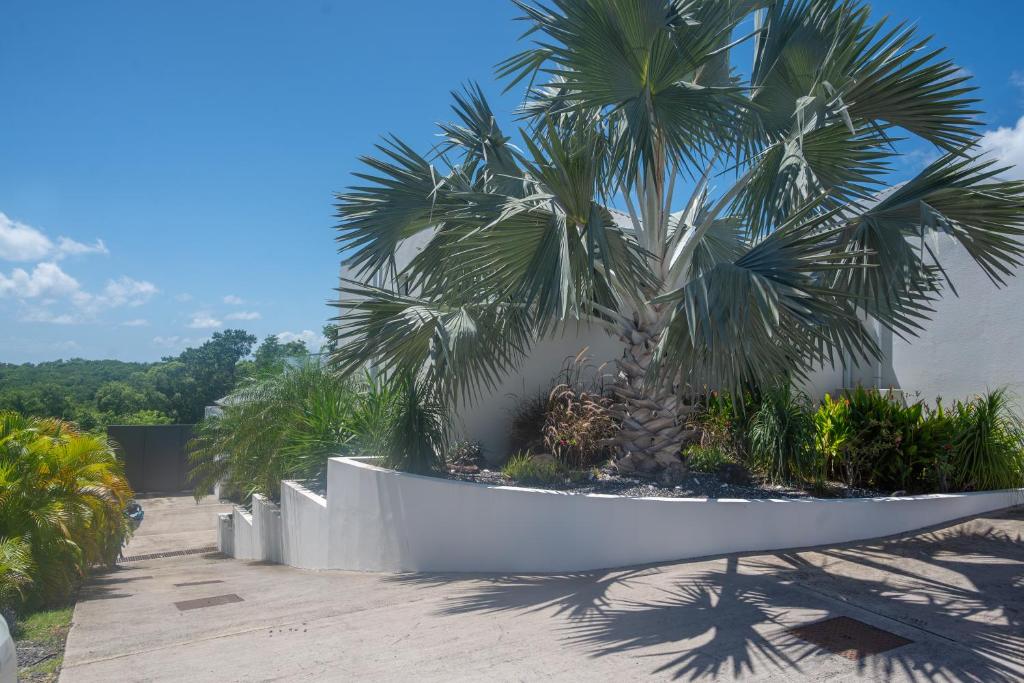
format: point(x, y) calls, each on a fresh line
point(197, 583)
point(849, 638)
point(200, 603)
point(170, 553)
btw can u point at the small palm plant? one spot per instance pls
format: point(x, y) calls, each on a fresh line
point(731, 228)
point(989, 445)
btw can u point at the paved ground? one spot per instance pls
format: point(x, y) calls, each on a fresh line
point(958, 594)
point(175, 523)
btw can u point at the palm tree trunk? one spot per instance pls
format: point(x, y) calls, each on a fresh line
point(654, 429)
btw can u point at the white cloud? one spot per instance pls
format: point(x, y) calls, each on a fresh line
point(137, 322)
point(244, 315)
point(1007, 145)
point(44, 315)
point(234, 300)
point(21, 242)
point(69, 247)
point(46, 280)
point(313, 340)
point(47, 285)
point(177, 342)
point(125, 291)
point(184, 296)
point(203, 321)
point(1017, 78)
point(170, 342)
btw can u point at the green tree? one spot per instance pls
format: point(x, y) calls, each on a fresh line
point(754, 233)
point(119, 398)
point(205, 373)
point(271, 356)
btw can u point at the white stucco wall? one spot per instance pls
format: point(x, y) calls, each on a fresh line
point(973, 341)
point(245, 539)
point(382, 520)
point(304, 527)
point(226, 533)
point(489, 418)
point(266, 530)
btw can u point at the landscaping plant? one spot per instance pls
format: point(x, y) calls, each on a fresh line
point(706, 458)
point(578, 427)
point(989, 445)
point(287, 425)
point(526, 468)
point(62, 500)
point(782, 435)
point(418, 436)
point(729, 224)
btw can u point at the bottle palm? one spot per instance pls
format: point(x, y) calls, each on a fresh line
point(755, 233)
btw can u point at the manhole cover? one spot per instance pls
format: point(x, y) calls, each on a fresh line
point(197, 583)
point(200, 603)
point(849, 638)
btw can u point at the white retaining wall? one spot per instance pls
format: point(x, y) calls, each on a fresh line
point(392, 521)
point(244, 539)
point(380, 520)
point(266, 528)
point(226, 533)
point(255, 535)
point(304, 527)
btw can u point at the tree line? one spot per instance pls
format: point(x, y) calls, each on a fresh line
point(177, 389)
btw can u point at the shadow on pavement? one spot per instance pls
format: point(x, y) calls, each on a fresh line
point(961, 589)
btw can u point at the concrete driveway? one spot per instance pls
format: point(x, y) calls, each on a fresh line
point(950, 604)
point(175, 523)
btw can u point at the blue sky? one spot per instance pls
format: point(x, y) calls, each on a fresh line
point(167, 169)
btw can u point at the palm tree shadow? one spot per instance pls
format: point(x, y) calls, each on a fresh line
point(725, 621)
point(957, 592)
point(574, 596)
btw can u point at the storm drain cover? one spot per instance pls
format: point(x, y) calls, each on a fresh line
point(849, 638)
point(200, 603)
point(170, 553)
point(197, 583)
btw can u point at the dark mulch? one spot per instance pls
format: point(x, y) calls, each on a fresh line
point(31, 652)
point(695, 485)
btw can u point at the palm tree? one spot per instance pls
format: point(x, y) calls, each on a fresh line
point(755, 234)
point(62, 500)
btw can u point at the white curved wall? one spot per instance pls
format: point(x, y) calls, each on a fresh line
point(382, 520)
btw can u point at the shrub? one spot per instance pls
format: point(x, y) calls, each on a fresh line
point(525, 468)
point(466, 453)
point(527, 428)
point(989, 445)
point(573, 421)
point(287, 426)
point(869, 438)
point(62, 500)
point(706, 458)
point(418, 438)
point(578, 427)
point(782, 435)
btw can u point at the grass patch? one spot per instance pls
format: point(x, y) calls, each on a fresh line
point(40, 636)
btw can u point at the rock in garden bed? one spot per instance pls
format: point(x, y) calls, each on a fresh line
point(693, 485)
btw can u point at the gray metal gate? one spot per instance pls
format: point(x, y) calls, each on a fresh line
point(155, 458)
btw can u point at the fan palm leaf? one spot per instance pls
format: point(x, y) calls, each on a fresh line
point(732, 229)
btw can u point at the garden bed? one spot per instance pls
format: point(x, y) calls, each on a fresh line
point(694, 485)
